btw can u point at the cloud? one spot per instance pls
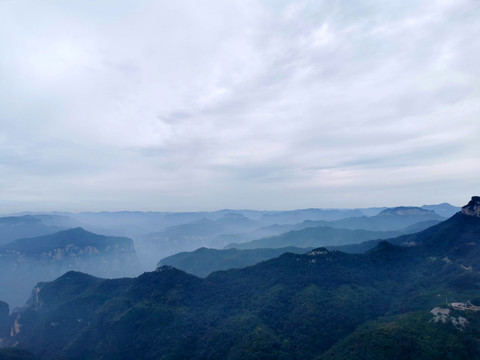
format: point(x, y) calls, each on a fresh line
point(188, 105)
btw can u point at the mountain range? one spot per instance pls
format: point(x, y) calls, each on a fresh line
point(416, 300)
point(160, 234)
point(390, 219)
point(233, 226)
point(316, 237)
point(203, 261)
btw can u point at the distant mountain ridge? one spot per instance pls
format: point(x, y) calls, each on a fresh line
point(297, 216)
point(355, 231)
point(444, 209)
point(203, 261)
point(16, 227)
point(315, 237)
point(389, 219)
point(143, 222)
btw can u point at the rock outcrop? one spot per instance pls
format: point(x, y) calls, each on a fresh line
point(473, 207)
point(25, 262)
point(4, 311)
point(406, 211)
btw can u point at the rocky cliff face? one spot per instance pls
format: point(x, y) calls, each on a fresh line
point(406, 211)
point(25, 262)
point(473, 207)
point(4, 310)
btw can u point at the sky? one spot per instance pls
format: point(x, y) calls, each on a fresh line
point(202, 105)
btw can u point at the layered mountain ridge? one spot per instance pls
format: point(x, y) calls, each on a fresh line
point(16, 227)
point(292, 306)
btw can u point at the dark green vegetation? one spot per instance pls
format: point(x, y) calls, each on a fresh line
point(4, 311)
point(316, 305)
point(292, 306)
point(203, 261)
point(16, 354)
point(410, 336)
point(25, 262)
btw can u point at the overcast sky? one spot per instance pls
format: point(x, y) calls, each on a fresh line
point(190, 105)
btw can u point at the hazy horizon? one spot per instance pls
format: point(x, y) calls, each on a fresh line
point(33, 212)
point(188, 106)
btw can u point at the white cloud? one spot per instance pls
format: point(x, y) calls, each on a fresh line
point(191, 105)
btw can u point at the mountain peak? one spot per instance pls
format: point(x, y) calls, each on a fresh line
point(75, 230)
point(473, 207)
point(162, 268)
point(233, 216)
point(317, 251)
point(405, 211)
point(386, 249)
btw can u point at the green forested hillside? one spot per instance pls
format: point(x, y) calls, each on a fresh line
point(203, 261)
point(410, 336)
point(16, 354)
point(292, 306)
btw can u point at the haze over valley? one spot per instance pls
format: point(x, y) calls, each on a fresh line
point(41, 247)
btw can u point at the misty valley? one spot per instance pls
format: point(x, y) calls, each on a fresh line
point(372, 283)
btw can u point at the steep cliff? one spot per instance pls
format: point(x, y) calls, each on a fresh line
point(25, 262)
point(4, 327)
